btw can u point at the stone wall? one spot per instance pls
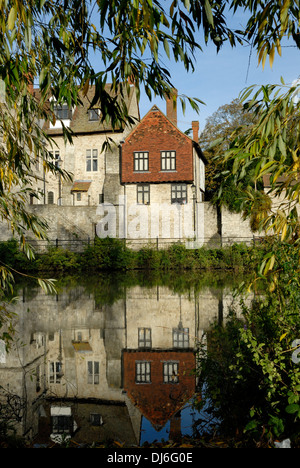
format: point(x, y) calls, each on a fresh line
point(73, 224)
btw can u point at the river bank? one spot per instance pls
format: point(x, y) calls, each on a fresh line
point(111, 254)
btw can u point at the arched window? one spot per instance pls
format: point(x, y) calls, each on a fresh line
point(50, 198)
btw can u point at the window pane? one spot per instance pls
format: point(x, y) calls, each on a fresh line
point(168, 160)
point(179, 193)
point(141, 161)
point(170, 372)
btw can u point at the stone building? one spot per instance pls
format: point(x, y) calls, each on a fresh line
point(90, 165)
point(146, 187)
point(163, 177)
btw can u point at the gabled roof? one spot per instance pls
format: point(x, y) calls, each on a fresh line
point(80, 122)
point(188, 138)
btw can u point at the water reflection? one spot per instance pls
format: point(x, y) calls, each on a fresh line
point(107, 358)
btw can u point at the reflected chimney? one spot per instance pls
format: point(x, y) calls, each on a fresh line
point(172, 106)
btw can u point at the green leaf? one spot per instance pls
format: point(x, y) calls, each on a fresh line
point(291, 409)
point(208, 12)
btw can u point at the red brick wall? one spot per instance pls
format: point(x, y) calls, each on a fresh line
point(158, 401)
point(154, 134)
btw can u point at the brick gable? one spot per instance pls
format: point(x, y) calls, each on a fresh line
point(154, 134)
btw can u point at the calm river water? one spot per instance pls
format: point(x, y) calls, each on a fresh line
point(109, 357)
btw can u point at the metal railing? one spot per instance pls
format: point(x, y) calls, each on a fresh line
point(79, 245)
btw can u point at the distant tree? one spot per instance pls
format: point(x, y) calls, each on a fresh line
point(221, 128)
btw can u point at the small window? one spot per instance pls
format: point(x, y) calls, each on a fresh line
point(94, 114)
point(78, 196)
point(55, 159)
point(179, 193)
point(50, 198)
point(180, 337)
point(143, 194)
point(143, 372)
point(55, 372)
point(62, 111)
point(144, 338)
point(171, 372)
point(96, 419)
point(93, 372)
point(168, 160)
point(141, 162)
point(62, 424)
point(92, 160)
point(101, 198)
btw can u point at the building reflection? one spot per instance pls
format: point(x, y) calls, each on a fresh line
point(91, 371)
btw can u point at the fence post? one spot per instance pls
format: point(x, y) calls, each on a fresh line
point(56, 243)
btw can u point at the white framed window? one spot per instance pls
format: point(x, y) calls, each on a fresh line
point(55, 372)
point(94, 114)
point(180, 338)
point(55, 159)
point(144, 338)
point(91, 160)
point(143, 372)
point(170, 372)
point(168, 160)
point(62, 111)
point(93, 369)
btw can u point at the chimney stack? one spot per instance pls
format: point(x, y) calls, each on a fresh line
point(195, 127)
point(172, 106)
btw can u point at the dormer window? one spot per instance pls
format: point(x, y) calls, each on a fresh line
point(94, 114)
point(62, 111)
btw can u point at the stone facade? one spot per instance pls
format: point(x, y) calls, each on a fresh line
point(93, 154)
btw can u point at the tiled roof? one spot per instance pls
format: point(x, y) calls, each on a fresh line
point(81, 186)
point(80, 122)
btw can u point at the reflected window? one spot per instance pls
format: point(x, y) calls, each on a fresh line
point(143, 372)
point(170, 371)
point(96, 419)
point(38, 379)
point(62, 424)
point(55, 373)
point(93, 372)
point(145, 338)
point(180, 337)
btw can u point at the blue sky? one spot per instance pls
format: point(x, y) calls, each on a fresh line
point(219, 78)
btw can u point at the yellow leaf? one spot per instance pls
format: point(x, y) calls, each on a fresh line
point(272, 55)
point(282, 336)
point(12, 18)
point(283, 233)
